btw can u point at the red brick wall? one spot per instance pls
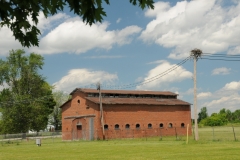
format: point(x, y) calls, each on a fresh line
point(122, 115)
point(144, 115)
point(74, 108)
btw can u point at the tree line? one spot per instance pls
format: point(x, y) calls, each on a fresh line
point(218, 119)
point(27, 102)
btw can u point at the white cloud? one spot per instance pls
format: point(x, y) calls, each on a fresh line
point(157, 62)
point(118, 20)
point(234, 51)
point(221, 71)
point(7, 41)
point(50, 22)
point(204, 95)
point(229, 102)
point(204, 24)
point(165, 76)
point(232, 86)
point(227, 97)
point(82, 77)
point(74, 36)
point(60, 34)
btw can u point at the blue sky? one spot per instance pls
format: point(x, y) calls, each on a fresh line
point(132, 45)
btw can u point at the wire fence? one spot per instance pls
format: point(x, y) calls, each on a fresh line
point(226, 133)
point(30, 137)
point(230, 133)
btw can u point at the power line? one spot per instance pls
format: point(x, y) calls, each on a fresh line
point(220, 54)
point(224, 56)
point(215, 59)
point(152, 78)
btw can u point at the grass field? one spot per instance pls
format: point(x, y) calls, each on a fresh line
point(221, 147)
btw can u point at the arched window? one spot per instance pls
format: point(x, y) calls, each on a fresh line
point(105, 126)
point(78, 101)
point(127, 126)
point(137, 126)
point(116, 126)
point(182, 125)
point(161, 125)
point(170, 125)
point(149, 125)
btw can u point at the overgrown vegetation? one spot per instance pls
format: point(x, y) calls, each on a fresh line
point(218, 119)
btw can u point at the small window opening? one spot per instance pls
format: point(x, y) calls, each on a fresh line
point(105, 126)
point(161, 125)
point(182, 125)
point(79, 127)
point(149, 125)
point(137, 126)
point(78, 101)
point(127, 126)
point(170, 125)
point(116, 126)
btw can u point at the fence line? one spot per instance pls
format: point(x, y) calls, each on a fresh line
point(226, 133)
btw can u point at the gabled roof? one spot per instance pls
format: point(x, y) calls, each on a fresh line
point(65, 103)
point(135, 92)
point(144, 101)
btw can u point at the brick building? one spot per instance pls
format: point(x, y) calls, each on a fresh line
point(126, 114)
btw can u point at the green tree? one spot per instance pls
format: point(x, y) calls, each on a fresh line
point(21, 16)
point(28, 101)
point(236, 115)
point(229, 115)
point(222, 111)
point(215, 120)
point(202, 114)
point(55, 118)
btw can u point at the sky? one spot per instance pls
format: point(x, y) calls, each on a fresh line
point(132, 46)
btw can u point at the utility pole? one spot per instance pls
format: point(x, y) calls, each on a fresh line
point(101, 109)
point(196, 53)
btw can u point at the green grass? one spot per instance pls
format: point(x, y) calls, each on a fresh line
point(143, 148)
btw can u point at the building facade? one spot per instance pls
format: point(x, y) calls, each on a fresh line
point(123, 114)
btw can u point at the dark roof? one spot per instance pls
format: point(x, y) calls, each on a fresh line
point(135, 92)
point(145, 101)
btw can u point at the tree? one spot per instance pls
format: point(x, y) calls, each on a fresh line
point(222, 111)
point(55, 118)
point(215, 120)
point(202, 114)
point(236, 115)
point(22, 16)
point(229, 115)
point(28, 101)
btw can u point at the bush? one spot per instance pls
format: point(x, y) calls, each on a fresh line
point(215, 120)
